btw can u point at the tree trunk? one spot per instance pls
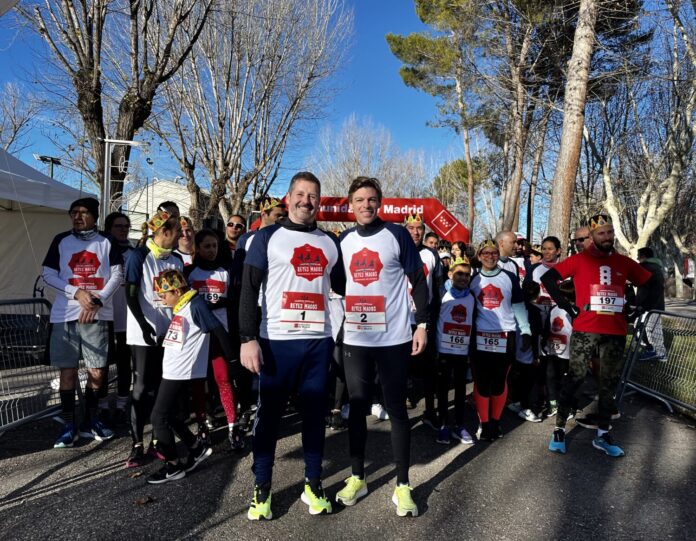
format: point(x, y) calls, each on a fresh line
point(538, 154)
point(470, 180)
point(574, 118)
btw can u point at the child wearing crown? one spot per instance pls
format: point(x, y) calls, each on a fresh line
point(453, 334)
point(185, 359)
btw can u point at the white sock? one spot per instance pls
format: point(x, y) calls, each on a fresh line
point(601, 432)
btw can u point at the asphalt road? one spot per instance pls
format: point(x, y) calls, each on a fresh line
point(511, 489)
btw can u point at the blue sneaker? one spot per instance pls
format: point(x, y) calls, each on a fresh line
point(444, 436)
point(557, 443)
point(604, 443)
point(96, 430)
point(68, 438)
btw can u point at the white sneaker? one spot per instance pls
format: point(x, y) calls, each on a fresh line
point(529, 415)
point(379, 412)
point(514, 407)
point(345, 411)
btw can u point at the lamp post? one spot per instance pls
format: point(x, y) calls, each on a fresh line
point(106, 188)
point(50, 160)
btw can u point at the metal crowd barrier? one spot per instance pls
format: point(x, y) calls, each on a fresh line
point(661, 360)
point(25, 382)
point(28, 387)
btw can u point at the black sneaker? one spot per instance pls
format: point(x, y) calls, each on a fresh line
point(236, 438)
point(245, 421)
point(495, 431)
point(485, 432)
point(336, 421)
point(168, 472)
point(197, 455)
point(203, 432)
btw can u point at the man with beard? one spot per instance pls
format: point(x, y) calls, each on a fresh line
point(293, 264)
point(599, 275)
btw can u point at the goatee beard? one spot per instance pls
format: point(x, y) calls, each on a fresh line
point(606, 250)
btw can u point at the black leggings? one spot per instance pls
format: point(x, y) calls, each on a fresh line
point(147, 374)
point(391, 364)
point(521, 380)
point(166, 417)
point(121, 355)
point(556, 368)
point(449, 365)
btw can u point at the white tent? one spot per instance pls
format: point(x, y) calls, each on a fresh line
point(33, 209)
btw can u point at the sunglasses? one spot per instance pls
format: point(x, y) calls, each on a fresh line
point(235, 226)
point(581, 239)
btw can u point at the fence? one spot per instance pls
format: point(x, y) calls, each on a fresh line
point(661, 360)
point(26, 389)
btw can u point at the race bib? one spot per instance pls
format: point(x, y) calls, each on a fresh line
point(302, 311)
point(606, 298)
point(174, 338)
point(557, 344)
point(365, 313)
point(211, 290)
point(455, 338)
point(493, 342)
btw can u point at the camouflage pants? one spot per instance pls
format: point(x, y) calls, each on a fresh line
point(611, 360)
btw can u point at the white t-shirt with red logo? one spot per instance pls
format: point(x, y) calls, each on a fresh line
point(454, 324)
point(495, 296)
point(377, 301)
point(72, 264)
point(142, 269)
point(560, 330)
point(295, 289)
point(212, 286)
point(521, 267)
point(187, 341)
point(544, 302)
point(119, 300)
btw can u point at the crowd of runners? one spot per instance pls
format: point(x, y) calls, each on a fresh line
point(335, 327)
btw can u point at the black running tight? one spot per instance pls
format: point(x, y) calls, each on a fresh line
point(147, 374)
point(391, 364)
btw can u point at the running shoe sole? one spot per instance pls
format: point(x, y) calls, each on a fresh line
point(62, 445)
point(618, 453)
point(93, 436)
point(253, 516)
point(403, 512)
point(313, 511)
point(349, 503)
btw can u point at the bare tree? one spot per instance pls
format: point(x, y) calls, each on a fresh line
point(119, 52)
point(256, 75)
point(17, 117)
point(362, 148)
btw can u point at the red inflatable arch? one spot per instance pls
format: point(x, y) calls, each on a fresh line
point(395, 209)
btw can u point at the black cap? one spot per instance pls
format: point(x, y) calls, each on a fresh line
point(90, 203)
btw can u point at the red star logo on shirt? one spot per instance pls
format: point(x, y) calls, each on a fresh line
point(490, 297)
point(365, 267)
point(309, 262)
point(458, 313)
point(84, 263)
point(557, 324)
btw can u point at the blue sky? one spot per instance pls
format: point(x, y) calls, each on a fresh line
point(368, 85)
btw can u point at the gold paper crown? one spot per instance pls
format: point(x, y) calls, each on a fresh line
point(186, 221)
point(488, 243)
point(158, 220)
point(413, 218)
point(267, 203)
point(536, 248)
point(459, 261)
point(598, 220)
point(169, 281)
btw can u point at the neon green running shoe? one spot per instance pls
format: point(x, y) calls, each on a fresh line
point(261, 504)
point(404, 502)
point(355, 489)
point(317, 501)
